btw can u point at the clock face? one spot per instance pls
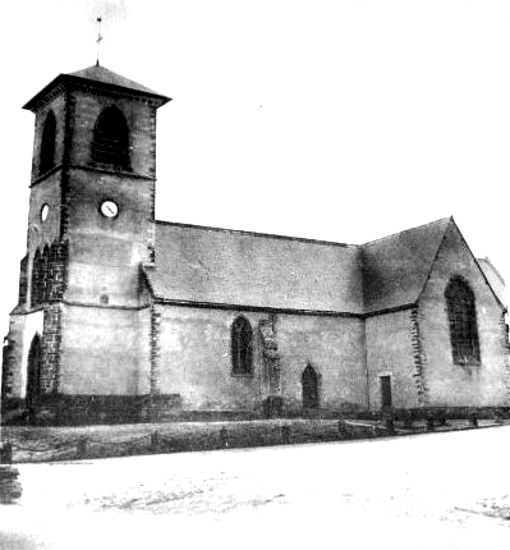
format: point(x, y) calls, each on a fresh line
point(109, 209)
point(45, 210)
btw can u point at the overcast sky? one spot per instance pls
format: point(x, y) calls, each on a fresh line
point(340, 120)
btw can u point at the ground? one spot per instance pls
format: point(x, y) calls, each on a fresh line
point(440, 490)
point(44, 444)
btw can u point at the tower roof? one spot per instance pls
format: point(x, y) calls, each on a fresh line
point(105, 76)
point(100, 77)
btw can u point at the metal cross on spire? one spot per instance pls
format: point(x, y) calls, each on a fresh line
point(99, 38)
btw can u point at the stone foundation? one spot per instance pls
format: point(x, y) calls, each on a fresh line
point(68, 410)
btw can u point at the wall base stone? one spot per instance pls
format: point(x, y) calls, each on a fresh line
point(273, 406)
point(74, 410)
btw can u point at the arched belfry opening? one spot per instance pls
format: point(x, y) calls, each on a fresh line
point(310, 388)
point(48, 137)
point(34, 389)
point(110, 144)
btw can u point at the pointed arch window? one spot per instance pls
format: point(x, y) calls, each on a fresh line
point(23, 281)
point(34, 387)
point(242, 346)
point(37, 279)
point(460, 303)
point(49, 134)
point(110, 144)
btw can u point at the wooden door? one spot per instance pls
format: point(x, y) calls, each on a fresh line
point(386, 399)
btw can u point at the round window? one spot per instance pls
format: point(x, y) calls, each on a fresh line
point(45, 210)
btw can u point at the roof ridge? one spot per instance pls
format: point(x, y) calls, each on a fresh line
point(258, 234)
point(387, 237)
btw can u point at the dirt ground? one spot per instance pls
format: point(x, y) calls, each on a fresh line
point(446, 491)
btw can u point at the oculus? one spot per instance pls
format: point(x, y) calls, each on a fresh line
point(45, 210)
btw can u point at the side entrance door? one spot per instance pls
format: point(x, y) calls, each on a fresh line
point(386, 399)
point(310, 388)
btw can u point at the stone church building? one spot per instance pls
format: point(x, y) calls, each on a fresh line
point(122, 317)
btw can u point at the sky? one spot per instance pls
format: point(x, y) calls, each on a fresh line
point(342, 120)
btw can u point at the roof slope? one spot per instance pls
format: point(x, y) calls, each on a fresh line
point(396, 268)
point(102, 77)
point(224, 267)
point(208, 265)
point(105, 76)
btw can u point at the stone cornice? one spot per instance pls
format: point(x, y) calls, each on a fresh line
point(85, 168)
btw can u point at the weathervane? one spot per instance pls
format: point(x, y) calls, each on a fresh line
point(99, 38)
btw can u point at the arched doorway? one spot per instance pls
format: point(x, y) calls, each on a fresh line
point(34, 374)
point(310, 386)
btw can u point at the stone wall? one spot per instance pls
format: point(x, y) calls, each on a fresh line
point(140, 117)
point(56, 103)
point(194, 360)
point(101, 352)
point(47, 191)
point(390, 352)
point(105, 254)
point(335, 348)
point(51, 347)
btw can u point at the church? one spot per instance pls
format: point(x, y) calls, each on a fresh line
point(124, 318)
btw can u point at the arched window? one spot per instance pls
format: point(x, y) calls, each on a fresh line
point(33, 387)
point(460, 302)
point(111, 139)
point(37, 279)
point(47, 157)
point(242, 346)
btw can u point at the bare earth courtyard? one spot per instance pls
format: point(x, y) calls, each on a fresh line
point(443, 491)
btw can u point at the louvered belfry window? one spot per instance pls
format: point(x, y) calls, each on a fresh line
point(460, 302)
point(242, 346)
point(47, 155)
point(111, 139)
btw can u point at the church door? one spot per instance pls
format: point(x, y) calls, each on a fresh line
point(386, 399)
point(310, 386)
point(34, 373)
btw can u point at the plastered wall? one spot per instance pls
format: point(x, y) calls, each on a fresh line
point(195, 359)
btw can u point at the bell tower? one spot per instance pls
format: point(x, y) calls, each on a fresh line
point(93, 180)
point(90, 228)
